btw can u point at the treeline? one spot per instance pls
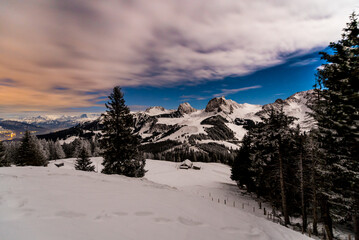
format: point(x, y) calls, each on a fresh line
point(313, 174)
point(37, 152)
point(277, 162)
point(174, 151)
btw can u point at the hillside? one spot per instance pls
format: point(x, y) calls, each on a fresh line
point(80, 205)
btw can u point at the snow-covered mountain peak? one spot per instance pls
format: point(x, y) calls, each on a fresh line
point(186, 108)
point(157, 110)
point(302, 97)
point(296, 106)
point(220, 104)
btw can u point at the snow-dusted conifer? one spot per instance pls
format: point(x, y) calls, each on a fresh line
point(120, 145)
point(83, 161)
point(59, 152)
point(337, 114)
point(11, 151)
point(52, 152)
point(270, 156)
point(242, 164)
point(45, 148)
point(30, 152)
point(95, 146)
point(3, 160)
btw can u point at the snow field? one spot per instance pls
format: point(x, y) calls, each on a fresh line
point(62, 203)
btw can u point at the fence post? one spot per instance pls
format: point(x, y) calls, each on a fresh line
point(225, 202)
point(234, 203)
point(264, 211)
point(260, 205)
point(254, 209)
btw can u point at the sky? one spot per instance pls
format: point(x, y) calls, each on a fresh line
point(67, 55)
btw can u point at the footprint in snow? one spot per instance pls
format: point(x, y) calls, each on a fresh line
point(120, 213)
point(230, 229)
point(23, 203)
point(189, 222)
point(102, 216)
point(69, 214)
point(143, 214)
point(162, 220)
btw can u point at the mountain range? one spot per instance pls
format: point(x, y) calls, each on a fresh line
point(219, 127)
point(44, 124)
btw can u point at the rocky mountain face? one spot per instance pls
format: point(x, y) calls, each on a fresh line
point(220, 104)
point(221, 125)
point(296, 106)
point(212, 132)
point(185, 108)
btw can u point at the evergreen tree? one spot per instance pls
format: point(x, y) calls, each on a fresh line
point(303, 151)
point(311, 151)
point(120, 145)
point(11, 151)
point(59, 152)
point(95, 147)
point(3, 160)
point(336, 112)
point(240, 171)
point(30, 152)
point(271, 158)
point(83, 162)
point(46, 148)
point(52, 151)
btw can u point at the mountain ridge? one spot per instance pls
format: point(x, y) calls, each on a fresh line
point(218, 128)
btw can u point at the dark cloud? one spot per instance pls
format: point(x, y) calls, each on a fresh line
point(7, 82)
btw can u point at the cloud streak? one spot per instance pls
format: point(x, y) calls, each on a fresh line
point(88, 46)
point(226, 92)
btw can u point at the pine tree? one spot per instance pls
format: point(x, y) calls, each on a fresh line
point(336, 112)
point(95, 146)
point(11, 151)
point(83, 162)
point(120, 145)
point(240, 171)
point(30, 152)
point(311, 149)
point(52, 152)
point(59, 152)
point(3, 160)
point(271, 157)
point(46, 148)
point(303, 152)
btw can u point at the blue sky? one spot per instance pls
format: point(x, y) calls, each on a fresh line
point(281, 81)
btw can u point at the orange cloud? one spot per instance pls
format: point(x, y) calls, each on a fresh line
point(16, 99)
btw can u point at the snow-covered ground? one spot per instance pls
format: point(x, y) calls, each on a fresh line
point(169, 203)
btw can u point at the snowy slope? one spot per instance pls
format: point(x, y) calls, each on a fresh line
point(153, 111)
point(61, 203)
point(223, 122)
